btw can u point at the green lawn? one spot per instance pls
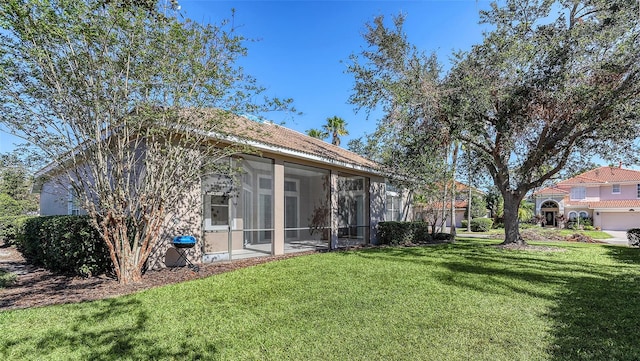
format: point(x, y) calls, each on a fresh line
point(462, 301)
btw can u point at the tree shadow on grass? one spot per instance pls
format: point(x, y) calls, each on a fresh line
point(595, 312)
point(597, 319)
point(126, 336)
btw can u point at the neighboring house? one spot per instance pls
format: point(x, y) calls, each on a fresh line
point(426, 211)
point(300, 194)
point(609, 197)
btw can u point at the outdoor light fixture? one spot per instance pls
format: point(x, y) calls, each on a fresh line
point(632, 210)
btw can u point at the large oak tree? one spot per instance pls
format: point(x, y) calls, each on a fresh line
point(551, 82)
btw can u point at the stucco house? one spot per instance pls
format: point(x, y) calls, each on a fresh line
point(609, 197)
point(299, 194)
point(425, 211)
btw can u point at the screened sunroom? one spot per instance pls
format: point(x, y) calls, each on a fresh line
point(280, 207)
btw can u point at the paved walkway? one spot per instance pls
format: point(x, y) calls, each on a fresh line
point(619, 238)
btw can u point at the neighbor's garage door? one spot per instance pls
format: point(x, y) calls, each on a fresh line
point(620, 221)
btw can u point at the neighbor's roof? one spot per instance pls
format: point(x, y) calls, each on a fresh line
point(602, 175)
point(620, 203)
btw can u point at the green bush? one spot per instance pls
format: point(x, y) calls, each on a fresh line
point(633, 237)
point(442, 237)
point(481, 224)
point(10, 227)
point(9, 206)
point(66, 244)
point(394, 233)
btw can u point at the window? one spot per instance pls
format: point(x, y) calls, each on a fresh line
point(216, 211)
point(638, 190)
point(394, 207)
point(615, 189)
point(573, 216)
point(584, 215)
point(578, 193)
point(73, 202)
point(264, 183)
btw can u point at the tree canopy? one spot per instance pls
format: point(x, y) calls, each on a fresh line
point(115, 94)
point(552, 81)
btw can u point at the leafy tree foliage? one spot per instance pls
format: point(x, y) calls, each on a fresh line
point(16, 183)
point(554, 80)
point(336, 127)
point(317, 133)
point(114, 93)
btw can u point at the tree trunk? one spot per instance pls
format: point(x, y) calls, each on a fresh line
point(469, 217)
point(126, 260)
point(510, 217)
point(454, 161)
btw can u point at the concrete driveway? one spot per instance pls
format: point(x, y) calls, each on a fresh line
point(619, 238)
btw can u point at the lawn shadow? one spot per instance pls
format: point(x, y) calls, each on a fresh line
point(596, 318)
point(594, 312)
point(125, 337)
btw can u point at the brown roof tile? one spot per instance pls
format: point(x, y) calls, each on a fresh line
point(600, 175)
point(280, 138)
point(604, 175)
point(622, 203)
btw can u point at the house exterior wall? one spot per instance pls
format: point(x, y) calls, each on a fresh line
point(188, 218)
point(54, 198)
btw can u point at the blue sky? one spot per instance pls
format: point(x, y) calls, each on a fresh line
point(302, 43)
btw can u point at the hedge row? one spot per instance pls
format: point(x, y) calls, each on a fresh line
point(66, 244)
point(479, 224)
point(395, 233)
point(11, 227)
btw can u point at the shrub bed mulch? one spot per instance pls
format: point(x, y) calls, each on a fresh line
point(36, 287)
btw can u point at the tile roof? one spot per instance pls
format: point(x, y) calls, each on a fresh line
point(601, 175)
point(604, 175)
point(282, 139)
point(621, 203)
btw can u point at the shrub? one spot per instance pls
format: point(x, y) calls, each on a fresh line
point(481, 224)
point(463, 224)
point(589, 228)
point(10, 227)
point(9, 206)
point(421, 232)
point(633, 237)
point(67, 244)
point(395, 233)
point(443, 237)
point(7, 279)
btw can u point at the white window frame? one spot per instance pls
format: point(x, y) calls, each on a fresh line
point(578, 193)
point(585, 213)
point(615, 189)
point(392, 210)
point(208, 226)
point(73, 202)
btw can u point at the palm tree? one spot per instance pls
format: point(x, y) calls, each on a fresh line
point(317, 133)
point(336, 127)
